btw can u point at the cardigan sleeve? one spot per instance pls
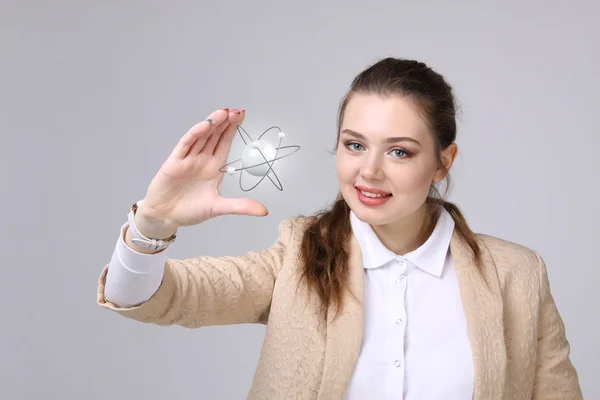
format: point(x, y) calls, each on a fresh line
point(556, 377)
point(204, 290)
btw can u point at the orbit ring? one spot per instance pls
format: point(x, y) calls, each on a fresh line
point(209, 120)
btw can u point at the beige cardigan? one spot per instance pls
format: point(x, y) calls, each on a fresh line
point(520, 350)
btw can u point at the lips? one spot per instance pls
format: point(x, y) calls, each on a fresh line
point(370, 200)
point(372, 190)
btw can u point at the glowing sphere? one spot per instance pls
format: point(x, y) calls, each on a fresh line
point(258, 158)
point(253, 161)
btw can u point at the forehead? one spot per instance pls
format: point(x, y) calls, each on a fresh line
point(379, 117)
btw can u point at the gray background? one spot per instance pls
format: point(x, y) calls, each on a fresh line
point(95, 94)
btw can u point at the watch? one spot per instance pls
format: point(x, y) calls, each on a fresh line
point(143, 241)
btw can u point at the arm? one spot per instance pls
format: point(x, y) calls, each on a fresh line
point(556, 377)
point(204, 291)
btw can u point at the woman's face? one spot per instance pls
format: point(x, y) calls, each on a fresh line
point(385, 159)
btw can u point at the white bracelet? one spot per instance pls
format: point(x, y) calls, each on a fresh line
point(143, 241)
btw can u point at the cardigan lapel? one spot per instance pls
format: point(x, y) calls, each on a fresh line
point(344, 335)
point(482, 303)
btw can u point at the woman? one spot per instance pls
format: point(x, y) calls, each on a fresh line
point(387, 295)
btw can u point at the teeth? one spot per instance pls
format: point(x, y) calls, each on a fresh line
point(373, 194)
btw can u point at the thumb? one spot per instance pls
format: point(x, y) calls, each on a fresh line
point(240, 207)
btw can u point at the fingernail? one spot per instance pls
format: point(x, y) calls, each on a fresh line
point(242, 110)
point(225, 109)
point(235, 111)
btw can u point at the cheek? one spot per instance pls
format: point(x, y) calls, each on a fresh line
point(413, 179)
point(346, 170)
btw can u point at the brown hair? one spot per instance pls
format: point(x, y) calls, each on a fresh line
point(323, 252)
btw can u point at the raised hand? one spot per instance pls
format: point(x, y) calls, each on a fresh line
point(186, 189)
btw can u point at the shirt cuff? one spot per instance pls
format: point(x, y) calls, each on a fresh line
point(132, 277)
point(138, 262)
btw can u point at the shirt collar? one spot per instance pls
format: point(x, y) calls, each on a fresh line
point(430, 257)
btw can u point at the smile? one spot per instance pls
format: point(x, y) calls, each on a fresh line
point(372, 197)
point(374, 194)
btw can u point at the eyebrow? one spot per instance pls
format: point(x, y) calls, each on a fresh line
point(388, 140)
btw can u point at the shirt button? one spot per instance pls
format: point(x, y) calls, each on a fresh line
point(398, 321)
point(397, 363)
point(401, 279)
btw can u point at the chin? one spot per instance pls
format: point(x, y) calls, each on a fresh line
point(375, 215)
point(371, 215)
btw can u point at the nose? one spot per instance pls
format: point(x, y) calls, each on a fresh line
point(372, 169)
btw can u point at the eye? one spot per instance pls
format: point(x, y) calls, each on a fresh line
point(400, 153)
point(354, 146)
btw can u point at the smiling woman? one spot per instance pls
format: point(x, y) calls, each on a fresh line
point(386, 295)
point(395, 145)
point(396, 136)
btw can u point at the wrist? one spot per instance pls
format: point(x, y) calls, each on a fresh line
point(128, 239)
point(153, 226)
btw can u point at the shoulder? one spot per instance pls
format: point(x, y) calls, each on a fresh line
point(508, 252)
point(292, 230)
point(514, 262)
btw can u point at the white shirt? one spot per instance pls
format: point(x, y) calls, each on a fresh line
point(415, 344)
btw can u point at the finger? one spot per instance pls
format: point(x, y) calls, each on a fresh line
point(225, 206)
point(212, 141)
point(223, 146)
point(200, 131)
point(218, 124)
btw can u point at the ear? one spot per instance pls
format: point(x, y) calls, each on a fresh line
point(448, 156)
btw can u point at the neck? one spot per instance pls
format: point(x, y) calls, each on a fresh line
point(407, 234)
